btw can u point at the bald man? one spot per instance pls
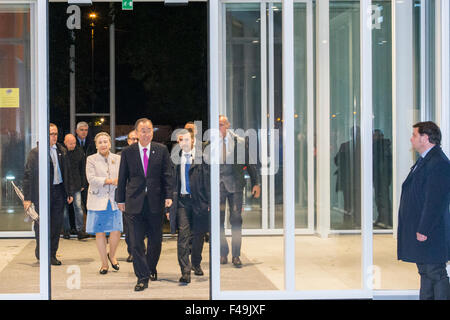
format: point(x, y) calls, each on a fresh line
point(78, 182)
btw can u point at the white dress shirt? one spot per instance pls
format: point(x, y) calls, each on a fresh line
point(183, 162)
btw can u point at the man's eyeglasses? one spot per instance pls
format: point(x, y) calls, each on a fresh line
point(134, 139)
point(53, 134)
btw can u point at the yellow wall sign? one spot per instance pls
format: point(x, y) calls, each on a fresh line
point(9, 97)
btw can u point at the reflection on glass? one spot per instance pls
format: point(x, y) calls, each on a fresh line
point(390, 273)
point(345, 115)
point(19, 269)
point(255, 268)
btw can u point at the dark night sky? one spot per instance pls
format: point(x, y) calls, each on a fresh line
point(161, 63)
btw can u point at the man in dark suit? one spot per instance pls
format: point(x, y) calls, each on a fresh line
point(189, 213)
point(232, 183)
point(348, 180)
point(83, 142)
point(60, 190)
point(423, 219)
point(78, 181)
point(144, 187)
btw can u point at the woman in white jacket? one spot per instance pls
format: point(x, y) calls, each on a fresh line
point(103, 216)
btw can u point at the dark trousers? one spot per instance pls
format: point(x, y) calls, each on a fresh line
point(235, 205)
point(127, 237)
point(57, 202)
point(384, 204)
point(188, 235)
point(434, 282)
point(139, 226)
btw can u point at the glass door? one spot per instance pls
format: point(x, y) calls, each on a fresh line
point(24, 269)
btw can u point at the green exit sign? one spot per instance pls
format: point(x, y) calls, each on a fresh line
point(127, 4)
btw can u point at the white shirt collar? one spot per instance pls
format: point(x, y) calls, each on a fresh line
point(142, 148)
point(423, 155)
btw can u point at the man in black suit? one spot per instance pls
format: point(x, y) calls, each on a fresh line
point(60, 190)
point(423, 219)
point(189, 213)
point(232, 183)
point(144, 187)
point(87, 145)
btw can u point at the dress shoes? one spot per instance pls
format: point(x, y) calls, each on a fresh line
point(223, 260)
point(55, 262)
point(66, 235)
point(237, 262)
point(130, 258)
point(185, 278)
point(197, 270)
point(82, 235)
point(103, 270)
point(154, 276)
point(115, 266)
point(141, 286)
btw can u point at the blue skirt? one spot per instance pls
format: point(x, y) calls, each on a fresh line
point(104, 220)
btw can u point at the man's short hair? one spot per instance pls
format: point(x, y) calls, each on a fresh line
point(140, 121)
point(184, 131)
point(128, 135)
point(431, 129)
point(82, 124)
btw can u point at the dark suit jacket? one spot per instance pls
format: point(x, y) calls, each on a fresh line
point(424, 208)
point(77, 163)
point(132, 181)
point(31, 174)
point(200, 185)
point(239, 169)
point(89, 147)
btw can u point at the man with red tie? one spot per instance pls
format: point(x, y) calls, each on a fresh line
point(144, 188)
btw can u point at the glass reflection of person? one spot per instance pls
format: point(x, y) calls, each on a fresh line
point(232, 183)
point(348, 162)
point(382, 178)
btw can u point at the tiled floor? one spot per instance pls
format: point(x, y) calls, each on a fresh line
point(321, 264)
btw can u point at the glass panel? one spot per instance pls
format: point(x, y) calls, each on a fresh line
point(19, 269)
point(243, 109)
point(345, 115)
point(389, 273)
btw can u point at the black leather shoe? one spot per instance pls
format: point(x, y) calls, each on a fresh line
point(103, 270)
point(66, 235)
point(197, 270)
point(55, 262)
point(82, 235)
point(237, 262)
point(115, 266)
point(154, 276)
point(223, 260)
point(185, 278)
point(141, 286)
point(130, 258)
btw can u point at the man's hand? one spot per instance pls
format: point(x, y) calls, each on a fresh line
point(421, 237)
point(26, 205)
point(168, 216)
point(256, 191)
point(121, 206)
point(168, 203)
point(69, 200)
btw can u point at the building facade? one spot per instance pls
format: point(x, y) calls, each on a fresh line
point(331, 89)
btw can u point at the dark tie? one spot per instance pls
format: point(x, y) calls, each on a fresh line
point(187, 166)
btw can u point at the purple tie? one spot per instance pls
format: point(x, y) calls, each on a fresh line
point(145, 161)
